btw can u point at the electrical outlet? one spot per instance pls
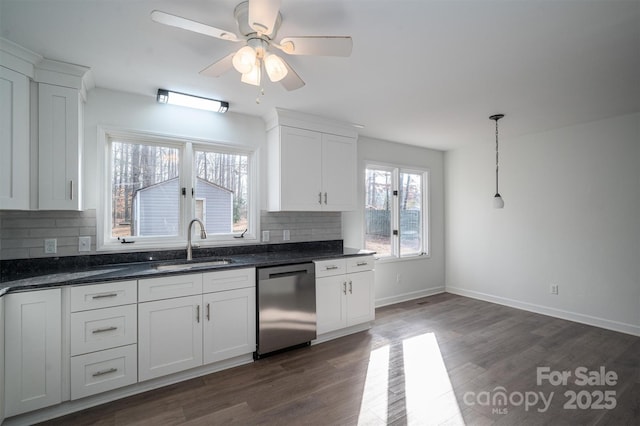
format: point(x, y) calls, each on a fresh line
point(286, 235)
point(84, 244)
point(51, 246)
point(554, 289)
point(265, 236)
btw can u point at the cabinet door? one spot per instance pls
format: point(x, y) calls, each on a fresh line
point(360, 297)
point(33, 363)
point(14, 140)
point(169, 336)
point(300, 169)
point(229, 324)
point(331, 305)
point(339, 174)
point(59, 149)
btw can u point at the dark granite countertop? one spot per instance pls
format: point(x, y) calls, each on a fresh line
point(32, 274)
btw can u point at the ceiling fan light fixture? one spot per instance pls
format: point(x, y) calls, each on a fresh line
point(182, 99)
point(244, 59)
point(254, 75)
point(275, 67)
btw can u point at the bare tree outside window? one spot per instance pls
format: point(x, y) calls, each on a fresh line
point(136, 167)
point(228, 171)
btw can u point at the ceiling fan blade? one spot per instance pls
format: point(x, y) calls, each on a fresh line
point(189, 25)
point(263, 15)
point(292, 80)
point(220, 67)
point(317, 45)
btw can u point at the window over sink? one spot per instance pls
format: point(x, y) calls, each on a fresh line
point(154, 185)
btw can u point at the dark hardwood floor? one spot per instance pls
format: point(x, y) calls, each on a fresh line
point(444, 359)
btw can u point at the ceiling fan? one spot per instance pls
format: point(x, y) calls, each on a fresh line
point(258, 23)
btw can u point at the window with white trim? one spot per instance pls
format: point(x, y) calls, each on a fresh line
point(396, 214)
point(155, 186)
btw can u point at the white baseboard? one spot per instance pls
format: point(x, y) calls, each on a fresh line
point(545, 310)
point(408, 296)
point(341, 333)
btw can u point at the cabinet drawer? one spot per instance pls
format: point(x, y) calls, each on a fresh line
point(102, 371)
point(169, 287)
point(327, 268)
point(105, 295)
point(360, 264)
point(228, 280)
point(103, 329)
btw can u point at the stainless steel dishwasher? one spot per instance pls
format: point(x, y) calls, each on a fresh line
point(286, 307)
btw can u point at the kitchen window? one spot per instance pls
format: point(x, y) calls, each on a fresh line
point(396, 214)
point(155, 186)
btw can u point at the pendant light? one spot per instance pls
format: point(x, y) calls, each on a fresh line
point(498, 202)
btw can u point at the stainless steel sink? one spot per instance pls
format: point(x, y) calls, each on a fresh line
point(191, 265)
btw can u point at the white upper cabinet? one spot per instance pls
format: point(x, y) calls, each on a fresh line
point(339, 174)
point(312, 164)
point(59, 148)
point(14, 140)
point(55, 148)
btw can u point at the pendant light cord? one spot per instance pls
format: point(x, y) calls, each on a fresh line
point(497, 192)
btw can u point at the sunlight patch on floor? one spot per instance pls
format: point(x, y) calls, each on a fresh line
point(374, 403)
point(429, 395)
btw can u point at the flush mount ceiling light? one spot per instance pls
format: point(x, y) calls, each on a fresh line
point(258, 23)
point(191, 101)
point(498, 202)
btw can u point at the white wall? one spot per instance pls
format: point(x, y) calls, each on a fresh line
point(571, 217)
point(418, 277)
point(142, 113)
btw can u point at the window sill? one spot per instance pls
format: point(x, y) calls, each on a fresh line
point(391, 259)
point(174, 245)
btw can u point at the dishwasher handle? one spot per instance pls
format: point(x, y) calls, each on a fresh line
point(275, 272)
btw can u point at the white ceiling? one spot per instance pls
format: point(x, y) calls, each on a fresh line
point(422, 72)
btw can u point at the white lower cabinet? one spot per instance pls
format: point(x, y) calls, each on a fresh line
point(344, 293)
point(169, 336)
point(33, 355)
point(180, 333)
point(230, 324)
point(102, 371)
point(103, 336)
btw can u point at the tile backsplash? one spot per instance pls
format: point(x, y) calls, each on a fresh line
point(22, 233)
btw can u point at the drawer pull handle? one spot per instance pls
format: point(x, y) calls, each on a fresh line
point(103, 372)
point(102, 296)
point(330, 268)
point(198, 313)
point(362, 264)
point(103, 330)
point(350, 287)
point(208, 312)
point(344, 287)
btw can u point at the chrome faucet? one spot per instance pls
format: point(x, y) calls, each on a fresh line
point(203, 235)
